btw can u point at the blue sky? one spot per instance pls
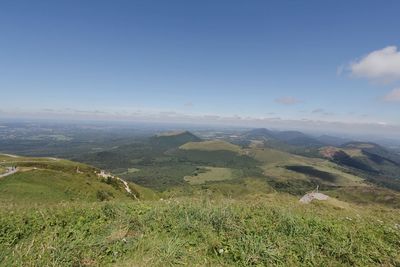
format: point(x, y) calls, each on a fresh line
point(292, 60)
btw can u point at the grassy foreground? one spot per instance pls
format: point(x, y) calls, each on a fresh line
point(264, 230)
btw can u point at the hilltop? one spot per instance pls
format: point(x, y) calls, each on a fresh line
point(173, 139)
point(377, 164)
point(295, 138)
point(52, 180)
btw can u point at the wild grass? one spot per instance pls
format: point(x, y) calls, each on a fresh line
point(272, 230)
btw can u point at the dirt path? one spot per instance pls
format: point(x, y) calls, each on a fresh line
point(126, 186)
point(9, 173)
point(127, 189)
point(10, 155)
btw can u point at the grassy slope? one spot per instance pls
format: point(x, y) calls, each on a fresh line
point(211, 146)
point(165, 171)
point(53, 186)
point(275, 165)
point(344, 185)
point(260, 230)
point(210, 174)
point(367, 194)
point(46, 180)
point(376, 164)
point(274, 161)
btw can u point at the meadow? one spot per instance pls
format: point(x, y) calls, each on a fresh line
point(259, 230)
point(209, 174)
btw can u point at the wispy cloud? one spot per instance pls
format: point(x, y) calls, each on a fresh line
point(188, 104)
point(380, 65)
point(393, 96)
point(318, 110)
point(322, 111)
point(288, 100)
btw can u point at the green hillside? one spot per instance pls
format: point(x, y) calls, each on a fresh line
point(215, 204)
point(170, 161)
point(282, 172)
point(174, 139)
point(377, 164)
point(50, 180)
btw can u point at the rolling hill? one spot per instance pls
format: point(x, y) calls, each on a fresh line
point(216, 204)
point(377, 164)
point(294, 138)
point(51, 180)
point(172, 140)
point(166, 161)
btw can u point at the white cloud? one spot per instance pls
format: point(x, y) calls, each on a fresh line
point(379, 65)
point(287, 100)
point(393, 96)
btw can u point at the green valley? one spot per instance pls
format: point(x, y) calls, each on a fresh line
point(197, 202)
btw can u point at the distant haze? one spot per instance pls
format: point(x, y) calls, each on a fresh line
point(364, 131)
